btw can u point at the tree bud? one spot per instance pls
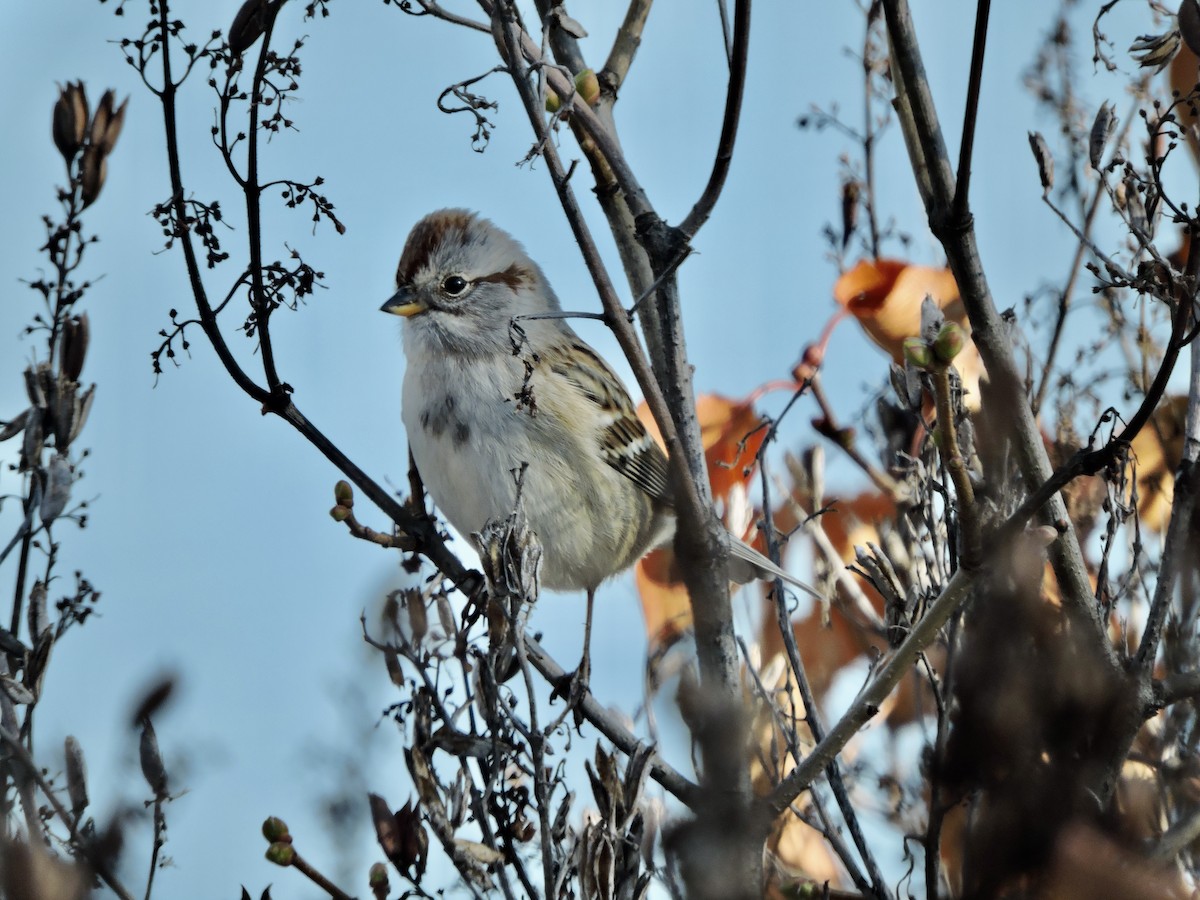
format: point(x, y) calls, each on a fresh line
point(281, 854)
point(588, 86)
point(950, 340)
point(275, 830)
point(917, 353)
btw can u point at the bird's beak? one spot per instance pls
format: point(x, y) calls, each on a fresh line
point(403, 303)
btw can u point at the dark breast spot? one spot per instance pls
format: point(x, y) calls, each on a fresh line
point(462, 433)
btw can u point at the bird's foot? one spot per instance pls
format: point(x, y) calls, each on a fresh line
point(573, 686)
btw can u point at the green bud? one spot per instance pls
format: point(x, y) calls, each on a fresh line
point(377, 875)
point(553, 101)
point(281, 854)
point(275, 830)
point(950, 340)
point(917, 353)
point(588, 86)
point(340, 513)
point(343, 494)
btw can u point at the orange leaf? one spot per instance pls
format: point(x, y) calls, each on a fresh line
point(1158, 448)
point(885, 295)
point(731, 433)
point(666, 609)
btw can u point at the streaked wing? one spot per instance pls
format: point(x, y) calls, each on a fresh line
point(624, 442)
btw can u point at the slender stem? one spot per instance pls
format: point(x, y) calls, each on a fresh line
point(258, 291)
point(300, 864)
point(729, 125)
point(952, 458)
point(160, 827)
point(962, 207)
point(610, 725)
point(1064, 303)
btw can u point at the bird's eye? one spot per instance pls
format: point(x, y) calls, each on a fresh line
point(454, 285)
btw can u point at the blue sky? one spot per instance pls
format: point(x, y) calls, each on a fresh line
point(209, 535)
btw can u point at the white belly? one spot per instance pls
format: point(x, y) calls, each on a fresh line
point(469, 439)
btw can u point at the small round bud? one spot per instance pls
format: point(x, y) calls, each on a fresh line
point(588, 86)
point(553, 101)
point(377, 875)
point(281, 854)
point(343, 494)
point(918, 353)
point(275, 830)
point(340, 513)
point(950, 340)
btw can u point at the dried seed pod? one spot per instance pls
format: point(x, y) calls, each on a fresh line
point(69, 124)
point(153, 769)
point(1153, 51)
point(37, 616)
point(1102, 130)
point(76, 776)
point(75, 336)
point(13, 426)
point(418, 617)
point(100, 119)
point(1045, 162)
point(35, 440)
point(16, 692)
point(83, 406)
point(33, 387)
point(851, 191)
point(58, 489)
point(248, 25)
point(92, 174)
point(62, 413)
point(112, 130)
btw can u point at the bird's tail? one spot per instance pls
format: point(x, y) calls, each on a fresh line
point(747, 564)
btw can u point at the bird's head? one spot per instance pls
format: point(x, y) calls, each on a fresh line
point(462, 282)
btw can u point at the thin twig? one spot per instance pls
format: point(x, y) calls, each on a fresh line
point(729, 124)
point(962, 202)
point(611, 727)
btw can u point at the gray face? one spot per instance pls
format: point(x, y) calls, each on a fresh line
point(460, 283)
